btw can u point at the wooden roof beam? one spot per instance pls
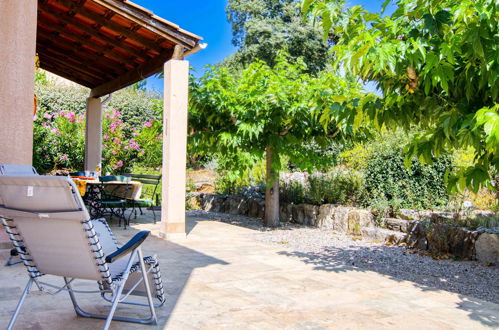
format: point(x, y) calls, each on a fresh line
point(146, 21)
point(108, 23)
point(46, 55)
point(66, 75)
point(60, 28)
point(74, 50)
point(57, 54)
point(143, 71)
point(95, 33)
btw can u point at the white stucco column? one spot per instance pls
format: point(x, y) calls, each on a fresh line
point(17, 70)
point(93, 134)
point(176, 75)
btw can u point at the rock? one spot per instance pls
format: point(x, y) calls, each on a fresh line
point(416, 236)
point(285, 212)
point(237, 206)
point(383, 235)
point(256, 208)
point(310, 214)
point(487, 248)
point(212, 203)
point(297, 213)
point(343, 219)
point(396, 224)
point(444, 238)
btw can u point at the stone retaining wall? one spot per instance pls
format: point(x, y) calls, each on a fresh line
point(420, 230)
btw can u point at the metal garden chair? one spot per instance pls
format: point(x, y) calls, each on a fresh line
point(49, 225)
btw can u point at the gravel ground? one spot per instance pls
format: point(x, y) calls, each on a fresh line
point(331, 251)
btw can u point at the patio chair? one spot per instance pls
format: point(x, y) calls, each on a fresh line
point(49, 225)
point(107, 199)
point(20, 170)
point(152, 198)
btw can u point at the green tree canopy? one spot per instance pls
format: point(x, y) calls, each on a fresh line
point(261, 28)
point(271, 112)
point(436, 64)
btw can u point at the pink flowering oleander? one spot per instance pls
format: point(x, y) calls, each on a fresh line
point(64, 157)
point(47, 116)
point(116, 140)
point(126, 147)
point(107, 116)
point(148, 124)
point(135, 134)
point(115, 167)
point(106, 137)
point(71, 116)
point(54, 130)
point(62, 114)
point(114, 152)
point(116, 113)
point(120, 163)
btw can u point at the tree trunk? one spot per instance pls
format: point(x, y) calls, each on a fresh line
point(271, 192)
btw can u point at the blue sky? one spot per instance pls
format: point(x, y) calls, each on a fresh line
point(207, 18)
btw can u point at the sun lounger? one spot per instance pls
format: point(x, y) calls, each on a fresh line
point(49, 225)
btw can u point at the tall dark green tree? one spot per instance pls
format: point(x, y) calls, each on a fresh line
point(261, 28)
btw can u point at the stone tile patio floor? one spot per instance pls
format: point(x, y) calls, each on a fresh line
point(221, 278)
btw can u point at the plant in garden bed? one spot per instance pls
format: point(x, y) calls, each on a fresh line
point(271, 112)
point(58, 141)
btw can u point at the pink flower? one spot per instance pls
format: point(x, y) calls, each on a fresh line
point(126, 147)
point(106, 137)
point(71, 116)
point(55, 116)
point(64, 157)
point(115, 167)
point(102, 158)
point(79, 120)
point(45, 124)
point(116, 114)
point(120, 163)
point(113, 126)
point(35, 117)
point(116, 140)
point(148, 124)
point(142, 152)
point(135, 134)
point(47, 116)
point(62, 114)
point(114, 152)
point(59, 133)
point(107, 116)
point(133, 129)
point(54, 130)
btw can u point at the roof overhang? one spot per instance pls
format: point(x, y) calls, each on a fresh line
point(106, 45)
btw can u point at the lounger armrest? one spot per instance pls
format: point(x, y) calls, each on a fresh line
point(128, 247)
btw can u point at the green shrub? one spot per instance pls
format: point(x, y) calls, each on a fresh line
point(234, 182)
point(292, 192)
point(387, 178)
point(339, 186)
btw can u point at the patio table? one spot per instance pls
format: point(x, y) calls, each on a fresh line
point(117, 188)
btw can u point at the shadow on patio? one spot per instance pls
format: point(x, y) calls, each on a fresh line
point(363, 259)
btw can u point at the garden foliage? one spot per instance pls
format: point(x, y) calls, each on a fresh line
point(134, 139)
point(435, 63)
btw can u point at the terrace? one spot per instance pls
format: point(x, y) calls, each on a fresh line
point(222, 276)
